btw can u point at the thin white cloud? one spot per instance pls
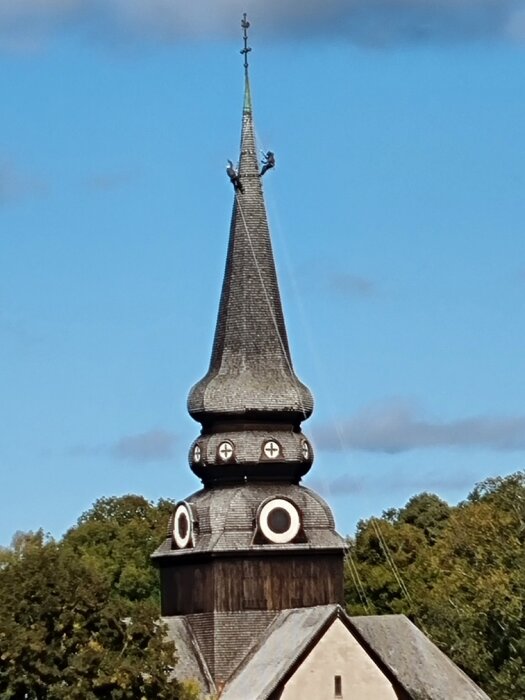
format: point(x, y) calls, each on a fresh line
point(400, 481)
point(373, 22)
point(398, 426)
point(18, 331)
point(151, 446)
point(16, 184)
point(349, 285)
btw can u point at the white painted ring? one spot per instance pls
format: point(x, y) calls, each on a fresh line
point(295, 521)
point(181, 540)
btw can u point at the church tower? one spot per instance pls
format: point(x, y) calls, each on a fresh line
point(251, 569)
point(253, 541)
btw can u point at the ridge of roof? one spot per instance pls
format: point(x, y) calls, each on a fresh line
point(190, 664)
point(290, 634)
point(411, 661)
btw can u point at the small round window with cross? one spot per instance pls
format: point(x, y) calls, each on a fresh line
point(197, 453)
point(271, 449)
point(226, 451)
point(305, 449)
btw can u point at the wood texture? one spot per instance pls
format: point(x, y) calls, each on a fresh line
point(252, 583)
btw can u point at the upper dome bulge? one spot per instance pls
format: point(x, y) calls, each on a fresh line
point(250, 372)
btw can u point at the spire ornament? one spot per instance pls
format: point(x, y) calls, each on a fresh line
point(246, 50)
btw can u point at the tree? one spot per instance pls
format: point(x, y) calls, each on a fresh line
point(63, 635)
point(458, 572)
point(116, 537)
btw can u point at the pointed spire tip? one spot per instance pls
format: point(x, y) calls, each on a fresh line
point(246, 49)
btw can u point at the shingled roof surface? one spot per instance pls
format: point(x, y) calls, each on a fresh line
point(190, 661)
point(226, 514)
point(411, 660)
point(420, 667)
point(282, 644)
point(251, 368)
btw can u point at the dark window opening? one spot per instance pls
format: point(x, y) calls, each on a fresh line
point(338, 687)
point(279, 520)
point(183, 525)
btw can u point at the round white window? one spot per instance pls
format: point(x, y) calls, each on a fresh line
point(182, 526)
point(279, 521)
point(271, 449)
point(225, 451)
point(197, 453)
point(305, 448)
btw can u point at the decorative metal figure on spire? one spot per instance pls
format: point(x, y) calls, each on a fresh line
point(246, 50)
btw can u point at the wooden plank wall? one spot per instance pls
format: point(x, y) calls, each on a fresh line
point(252, 583)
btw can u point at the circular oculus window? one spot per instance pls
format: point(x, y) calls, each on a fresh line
point(197, 453)
point(225, 451)
point(271, 449)
point(279, 521)
point(182, 526)
point(305, 447)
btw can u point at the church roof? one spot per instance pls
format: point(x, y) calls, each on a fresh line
point(224, 517)
point(412, 662)
point(416, 662)
point(191, 664)
point(251, 369)
point(280, 647)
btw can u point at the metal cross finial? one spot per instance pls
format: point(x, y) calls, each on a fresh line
point(246, 50)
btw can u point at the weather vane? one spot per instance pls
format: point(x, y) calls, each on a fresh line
point(246, 50)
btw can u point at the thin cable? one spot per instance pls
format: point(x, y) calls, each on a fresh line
point(270, 307)
point(319, 365)
point(390, 561)
point(356, 579)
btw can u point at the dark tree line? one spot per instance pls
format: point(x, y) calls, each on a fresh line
point(78, 618)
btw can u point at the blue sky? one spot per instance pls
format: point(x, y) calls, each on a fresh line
point(396, 210)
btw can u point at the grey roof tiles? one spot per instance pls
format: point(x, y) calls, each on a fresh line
point(225, 518)
point(251, 369)
point(421, 668)
point(410, 659)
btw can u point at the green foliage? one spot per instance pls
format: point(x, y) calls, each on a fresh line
point(64, 636)
point(78, 618)
point(458, 572)
point(115, 538)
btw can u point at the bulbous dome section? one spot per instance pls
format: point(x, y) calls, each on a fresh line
point(227, 519)
point(250, 393)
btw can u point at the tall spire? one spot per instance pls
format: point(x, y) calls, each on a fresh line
point(250, 377)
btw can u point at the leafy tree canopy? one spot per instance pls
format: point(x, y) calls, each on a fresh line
point(79, 617)
point(63, 636)
point(458, 572)
point(116, 537)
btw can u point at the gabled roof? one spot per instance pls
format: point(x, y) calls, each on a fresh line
point(407, 657)
point(191, 664)
point(416, 662)
point(281, 646)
